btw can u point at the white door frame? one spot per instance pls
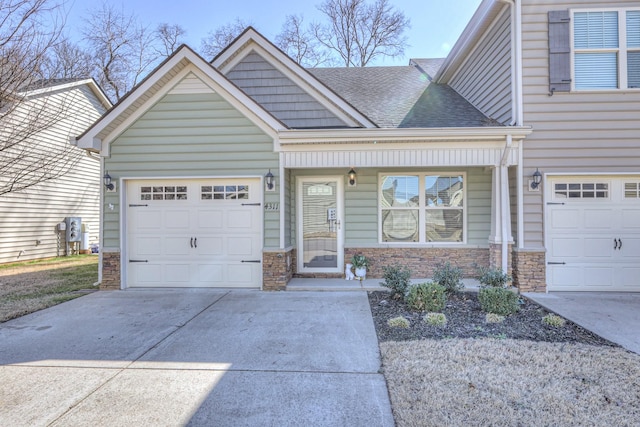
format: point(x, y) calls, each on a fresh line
point(338, 179)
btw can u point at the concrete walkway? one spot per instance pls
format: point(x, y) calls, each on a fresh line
point(612, 315)
point(195, 357)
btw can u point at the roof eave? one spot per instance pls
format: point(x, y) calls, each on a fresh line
point(402, 134)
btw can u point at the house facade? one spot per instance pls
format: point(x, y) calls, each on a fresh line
point(29, 219)
point(250, 170)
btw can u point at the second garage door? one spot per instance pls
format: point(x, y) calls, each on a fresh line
point(196, 233)
point(593, 234)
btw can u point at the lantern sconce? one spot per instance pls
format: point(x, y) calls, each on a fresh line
point(108, 184)
point(352, 178)
point(534, 183)
point(269, 182)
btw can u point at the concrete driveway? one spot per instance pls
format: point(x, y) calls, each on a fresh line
point(195, 357)
point(612, 315)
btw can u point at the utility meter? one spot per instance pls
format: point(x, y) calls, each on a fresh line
point(74, 229)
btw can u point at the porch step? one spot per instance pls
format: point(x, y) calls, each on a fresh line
point(373, 284)
point(304, 284)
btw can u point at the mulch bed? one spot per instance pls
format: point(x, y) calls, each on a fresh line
point(465, 319)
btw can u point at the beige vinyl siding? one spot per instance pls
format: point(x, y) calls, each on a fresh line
point(192, 135)
point(279, 95)
point(484, 79)
point(28, 219)
point(574, 132)
point(361, 204)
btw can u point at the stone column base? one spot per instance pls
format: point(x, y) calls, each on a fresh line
point(277, 269)
point(110, 271)
point(529, 270)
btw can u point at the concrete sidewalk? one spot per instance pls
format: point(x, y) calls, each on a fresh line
point(614, 316)
point(195, 357)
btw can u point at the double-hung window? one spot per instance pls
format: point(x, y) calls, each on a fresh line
point(606, 49)
point(422, 208)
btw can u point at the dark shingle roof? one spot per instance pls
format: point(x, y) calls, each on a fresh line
point(430, 66)
point(440, 106)
point(401, 96)
point(384, 94)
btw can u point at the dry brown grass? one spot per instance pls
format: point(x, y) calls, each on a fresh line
point(480, 382)
point(32, 286)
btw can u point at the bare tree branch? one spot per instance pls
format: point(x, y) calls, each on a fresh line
point(169, 37)
point(359, 33)
point(300, 44)
point(222, 37)
point(122, 49)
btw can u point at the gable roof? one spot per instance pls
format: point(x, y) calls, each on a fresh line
point(157, 84)
point(51, 85)
point(252, 42)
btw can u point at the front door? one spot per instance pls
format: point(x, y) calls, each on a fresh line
point(320, 227)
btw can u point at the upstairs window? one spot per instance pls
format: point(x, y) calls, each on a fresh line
point(606, 49)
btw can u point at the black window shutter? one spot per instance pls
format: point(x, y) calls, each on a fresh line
point(559, 51)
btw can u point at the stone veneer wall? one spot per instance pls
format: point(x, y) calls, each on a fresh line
point(277, 269)
point(495, 257)
point(110, 271)
point(422, 261)
point(529, 270)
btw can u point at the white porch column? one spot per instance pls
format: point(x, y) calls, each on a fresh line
point(501, 215)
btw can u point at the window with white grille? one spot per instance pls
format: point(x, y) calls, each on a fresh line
point(163, 192)
point(224, 192)
point(581, 190)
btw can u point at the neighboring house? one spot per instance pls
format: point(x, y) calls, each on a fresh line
point(29, 218)
point(443, 152)
point(576, 83)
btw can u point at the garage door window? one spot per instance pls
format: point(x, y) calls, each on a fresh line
point(632, 190)
point(169, 192)
point(224, 192)
point(582, 190)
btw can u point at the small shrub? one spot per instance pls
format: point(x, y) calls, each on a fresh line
point(428, 296)
point(450, 277)
point(398, 322)
point(493, 318)
point(498, 301)
point(396, 278)
point(436, 319)
point(493, 277)
point(553, 320)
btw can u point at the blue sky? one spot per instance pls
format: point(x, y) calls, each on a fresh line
point(435, 24)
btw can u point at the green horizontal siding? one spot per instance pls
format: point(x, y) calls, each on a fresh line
point(191, 135)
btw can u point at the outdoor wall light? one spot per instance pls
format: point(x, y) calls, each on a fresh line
point(268, 180)
point(352, 177)
point(537, 179)
point(110, 186)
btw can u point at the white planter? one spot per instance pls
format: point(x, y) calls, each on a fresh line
point(361, 273)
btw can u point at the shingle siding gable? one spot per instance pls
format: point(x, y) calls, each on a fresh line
point(279, 95)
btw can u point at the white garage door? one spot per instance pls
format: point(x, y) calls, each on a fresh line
point(593, 234)
point(204, 233)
